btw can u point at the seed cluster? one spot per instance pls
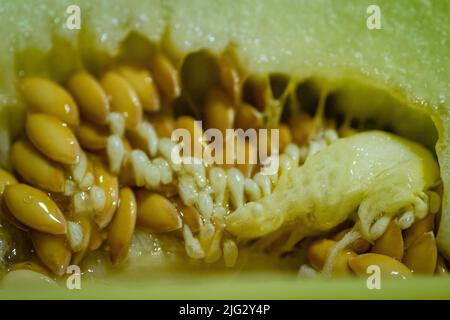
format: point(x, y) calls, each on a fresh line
point(96, 163)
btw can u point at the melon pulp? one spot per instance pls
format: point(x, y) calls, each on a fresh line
point(322, 43)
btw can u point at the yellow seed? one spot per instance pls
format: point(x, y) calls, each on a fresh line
point(110, 185)
point(6, 179)
point(164, 125)
point(166, 78)
point(29, 265)
point(441, 266)
point(24, 279)
point(359, 246)
point(157, 213)
point(34, 208)
point(53, 250)
point(389, 267)
point(218, 111)
point(98, 236)
point(421, 256)
point(229, 77)
point(195, 131)
point(302, 127)
point(390, 243)
point(45, 96)
point(143, 84)
point(86, 227)
point(123, 98)
point(91, 99)
point(285, 136)
point(122, 226)
point(53, 138)
point(418, 229)
point(318, 253)
point(8, 216)
point(92, 137)
point(190, 216)
point(248, 117)
point(35, 168)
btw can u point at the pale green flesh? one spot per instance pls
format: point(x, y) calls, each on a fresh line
point(374, 173)
point(405, 61)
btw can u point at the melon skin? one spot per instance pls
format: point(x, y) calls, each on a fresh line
point(299, 37)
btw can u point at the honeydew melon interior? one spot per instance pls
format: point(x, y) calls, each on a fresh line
point(396, 77)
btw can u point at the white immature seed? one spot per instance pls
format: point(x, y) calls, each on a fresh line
point(293, 151)
point(75, 235)
point(406, 220)
point(165, 171)
point(165, 148)
point(79, 170)
point(252, 190)
point(230, 253)
point(197, 170)
point(69, 188)
point(139, 162)
point(152, 176)
point(98, 198)
point(263, 182)
point(235, 183)
point(330, 136)
point(286, 164)
point(187, 189)
point(205, 204)
point(116, 123)
point(192, 245)
point(116, 152)
point(218, 181)
point(421, 205)
point(148, 133)
point(87, 181)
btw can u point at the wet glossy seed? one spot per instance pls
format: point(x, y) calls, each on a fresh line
point(92, 137)
point(8, 216)
point(85, 225)
point(105, 180)
point(421, 256)
point(319, 251)
point(123, 98)
point(190, 216)
point(156, 212)
point(29, 265)
point(53, 138)
point(34, 209)
point(229, 77)
point(35, 168)
point(25, 279)
point(359, 246)
point(53, 250)
point(122, 226)
point(218, 111)
point(166, 78)
point(45, 96)
point(389, 267)
point(142, 82)
point(441, 266)
point(188, 123)
point(418, 229)
point(248, 117)
point(6, 179)
point(91, 99)
point(390, 243)
point(302, 127)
